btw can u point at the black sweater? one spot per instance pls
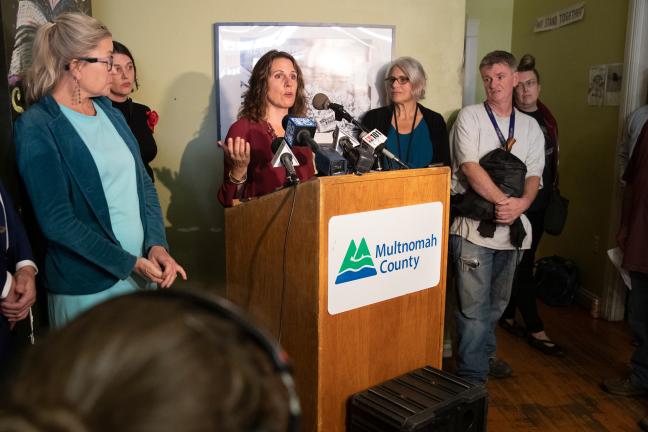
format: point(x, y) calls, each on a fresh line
point(137, 121)
point(380, 118)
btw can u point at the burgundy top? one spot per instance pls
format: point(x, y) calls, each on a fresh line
point(262, 178)
point(635, 215)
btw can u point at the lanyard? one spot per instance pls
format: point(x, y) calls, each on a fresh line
point(497, 129)
point(6, 222)
point(409, 144)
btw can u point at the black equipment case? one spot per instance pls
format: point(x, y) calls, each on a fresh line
point(423, 400)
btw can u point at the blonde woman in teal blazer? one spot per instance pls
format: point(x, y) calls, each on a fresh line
point(81, 167)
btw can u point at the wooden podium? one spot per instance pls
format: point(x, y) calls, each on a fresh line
point(286, 289)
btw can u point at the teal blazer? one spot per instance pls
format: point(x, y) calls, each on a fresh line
point(83, 255)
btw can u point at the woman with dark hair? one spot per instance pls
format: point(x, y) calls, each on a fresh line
point(275, 89)
point(415, 134)
point(140, 118)
point(80, 163)
point(523, 292)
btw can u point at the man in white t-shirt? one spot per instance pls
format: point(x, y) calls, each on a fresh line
point(485, 262)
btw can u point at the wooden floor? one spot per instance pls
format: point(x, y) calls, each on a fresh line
point(563, 394)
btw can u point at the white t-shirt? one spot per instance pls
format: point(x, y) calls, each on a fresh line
point(473, 136)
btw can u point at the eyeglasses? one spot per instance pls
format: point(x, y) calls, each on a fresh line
point(401, 80)
point(107, 60)
point(527, 84)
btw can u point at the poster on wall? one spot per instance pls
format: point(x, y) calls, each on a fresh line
point(596, 85)
point(604, 86)
point(613, 83)
point(20, 21)
point(561, 18)
point(346, 63)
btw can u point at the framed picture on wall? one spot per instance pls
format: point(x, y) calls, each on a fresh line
point(345, 62)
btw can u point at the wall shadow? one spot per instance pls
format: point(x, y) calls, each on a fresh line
point(196, 234)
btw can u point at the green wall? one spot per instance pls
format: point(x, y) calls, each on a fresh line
point(495, 31)
point(173, 44)
point(588, 134)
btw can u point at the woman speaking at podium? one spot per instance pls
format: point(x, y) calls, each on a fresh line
point(276, 88)
point(415, 134)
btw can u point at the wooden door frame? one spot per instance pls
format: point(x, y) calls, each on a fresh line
point(635, 88)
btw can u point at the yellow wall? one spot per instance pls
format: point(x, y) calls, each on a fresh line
point(172, 42)
point(495, 31)
point(588, 134)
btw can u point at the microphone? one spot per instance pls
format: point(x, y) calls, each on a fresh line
point(359, 156)
point(377, 140)
point(322, 102)
point(284, 156)
point(300, 132)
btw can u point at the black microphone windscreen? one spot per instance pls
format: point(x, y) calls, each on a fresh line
point(276, 144)
point(284, 121)
point(321, 101)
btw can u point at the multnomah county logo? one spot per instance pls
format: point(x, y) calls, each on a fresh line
point(357, 263)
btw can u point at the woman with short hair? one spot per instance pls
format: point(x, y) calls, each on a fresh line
point(415, 134)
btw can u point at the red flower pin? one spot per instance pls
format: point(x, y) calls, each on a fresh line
point(152, 119)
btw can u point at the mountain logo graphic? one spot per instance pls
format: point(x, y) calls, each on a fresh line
point(357, 264)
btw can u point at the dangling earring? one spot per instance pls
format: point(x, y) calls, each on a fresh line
point(77, 91)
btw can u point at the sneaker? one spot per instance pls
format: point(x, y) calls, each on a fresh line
point(498, 368)
point(623, 387)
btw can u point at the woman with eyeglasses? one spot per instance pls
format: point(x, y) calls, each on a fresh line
point(275, 89)
point(80, 163)
point(140, 118)
point(415, 134)
point(526, 98)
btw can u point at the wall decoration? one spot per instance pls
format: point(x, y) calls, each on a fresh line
point(561, 18)
point(613, 84)
point(596, 87)
point(345, 62)
point(605, 84)
point(20, 19)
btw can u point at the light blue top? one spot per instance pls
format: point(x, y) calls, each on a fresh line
point(116, 168)
point(420, 156)
point(65, 188)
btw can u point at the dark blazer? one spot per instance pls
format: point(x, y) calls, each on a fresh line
point(14, 248)
point(380, 118)
point(14, 245)
point(83, 255)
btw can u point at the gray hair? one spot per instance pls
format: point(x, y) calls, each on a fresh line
point(499, 57)
point(68, 36)
point(413, 70)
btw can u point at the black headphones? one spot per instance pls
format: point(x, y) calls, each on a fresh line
point(227, 310)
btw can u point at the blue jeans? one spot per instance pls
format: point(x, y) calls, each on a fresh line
point(483, 278)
